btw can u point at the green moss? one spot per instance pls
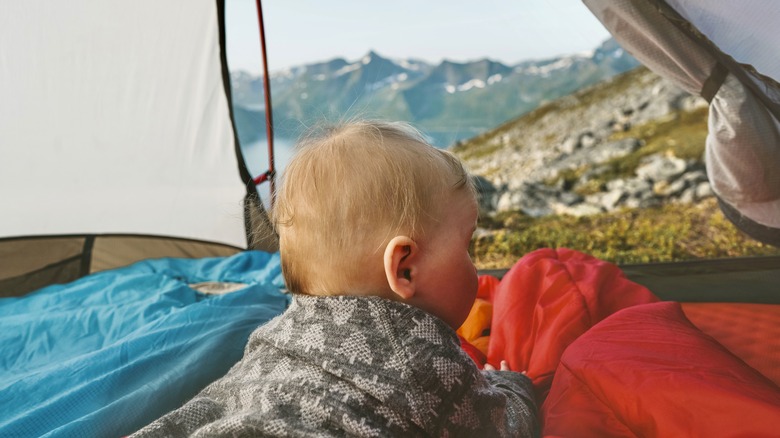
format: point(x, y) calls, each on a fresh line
point(670, 233)
point(480, 151)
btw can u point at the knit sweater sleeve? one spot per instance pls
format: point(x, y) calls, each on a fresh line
point(521, 411)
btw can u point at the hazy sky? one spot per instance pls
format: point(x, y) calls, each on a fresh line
point(304, 31)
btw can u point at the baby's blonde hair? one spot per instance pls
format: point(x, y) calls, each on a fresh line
point(347, 191)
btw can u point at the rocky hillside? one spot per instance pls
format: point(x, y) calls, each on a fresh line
point(614, 170)
point(602, 148)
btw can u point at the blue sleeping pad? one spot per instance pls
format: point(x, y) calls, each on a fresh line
point(109, 353)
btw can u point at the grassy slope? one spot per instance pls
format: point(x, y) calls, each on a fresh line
point(669, 233)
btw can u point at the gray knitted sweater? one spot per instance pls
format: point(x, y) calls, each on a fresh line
point(355, 366)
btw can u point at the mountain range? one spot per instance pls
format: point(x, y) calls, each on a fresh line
point(448, 101)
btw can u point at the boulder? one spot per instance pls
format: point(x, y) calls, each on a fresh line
point(661, 168)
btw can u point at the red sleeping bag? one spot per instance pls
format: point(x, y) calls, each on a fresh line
point(608, 359)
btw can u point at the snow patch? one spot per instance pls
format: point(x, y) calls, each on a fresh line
point(546, 69)
point(474, 83)
point(495, 78)
point(414, 66)
point(347, 69)
point(468, 85)
point(390, 80)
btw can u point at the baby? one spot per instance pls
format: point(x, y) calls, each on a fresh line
point(374, 229)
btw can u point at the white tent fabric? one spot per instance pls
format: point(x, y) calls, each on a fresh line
point(746, 30)
point(726, 52)
point(114, 119)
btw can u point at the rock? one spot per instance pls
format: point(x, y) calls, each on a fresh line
point(695, 177)
point(614, 149)
point(664, 188)
point(636, 186)
point(569, 145)
point(583, 209)
point(661, 168)
point(508, 201)
point(533, 200)
point(704, 190)
point(486, 193)
point(616, 184)
point(688, 196)
point(610, 200)
point(632, 202)
point(570, 198)
point(587, 140)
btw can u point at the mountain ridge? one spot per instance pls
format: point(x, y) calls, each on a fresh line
point(448, 101)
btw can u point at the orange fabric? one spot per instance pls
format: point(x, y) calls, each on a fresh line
point(475, 331)
point(546, 301)
point(647, 371)
point(477, 324)
point(750, 331)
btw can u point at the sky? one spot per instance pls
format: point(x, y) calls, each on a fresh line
point(304, 31)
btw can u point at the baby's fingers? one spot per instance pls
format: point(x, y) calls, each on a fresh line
point(504, 366)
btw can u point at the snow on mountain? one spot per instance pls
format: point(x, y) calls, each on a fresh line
point(347, 69)
point(546, 69)
point(479, 94)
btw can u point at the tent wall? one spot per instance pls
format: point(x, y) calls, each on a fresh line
point(115, 118)
point(117, 141)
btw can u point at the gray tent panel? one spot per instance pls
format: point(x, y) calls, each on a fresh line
point(727, 53)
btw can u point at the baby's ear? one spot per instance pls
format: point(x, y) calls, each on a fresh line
point(400, 268)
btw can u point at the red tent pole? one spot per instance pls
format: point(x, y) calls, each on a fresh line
point(269, 123)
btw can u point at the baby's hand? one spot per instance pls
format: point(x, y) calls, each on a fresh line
point(504, 366)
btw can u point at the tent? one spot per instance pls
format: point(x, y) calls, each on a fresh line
point(117, 138)
point(121, 174)
point(117, 146)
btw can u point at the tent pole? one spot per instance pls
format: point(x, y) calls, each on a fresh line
point(269, 123)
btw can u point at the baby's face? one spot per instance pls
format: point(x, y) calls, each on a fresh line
point(449, 285)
